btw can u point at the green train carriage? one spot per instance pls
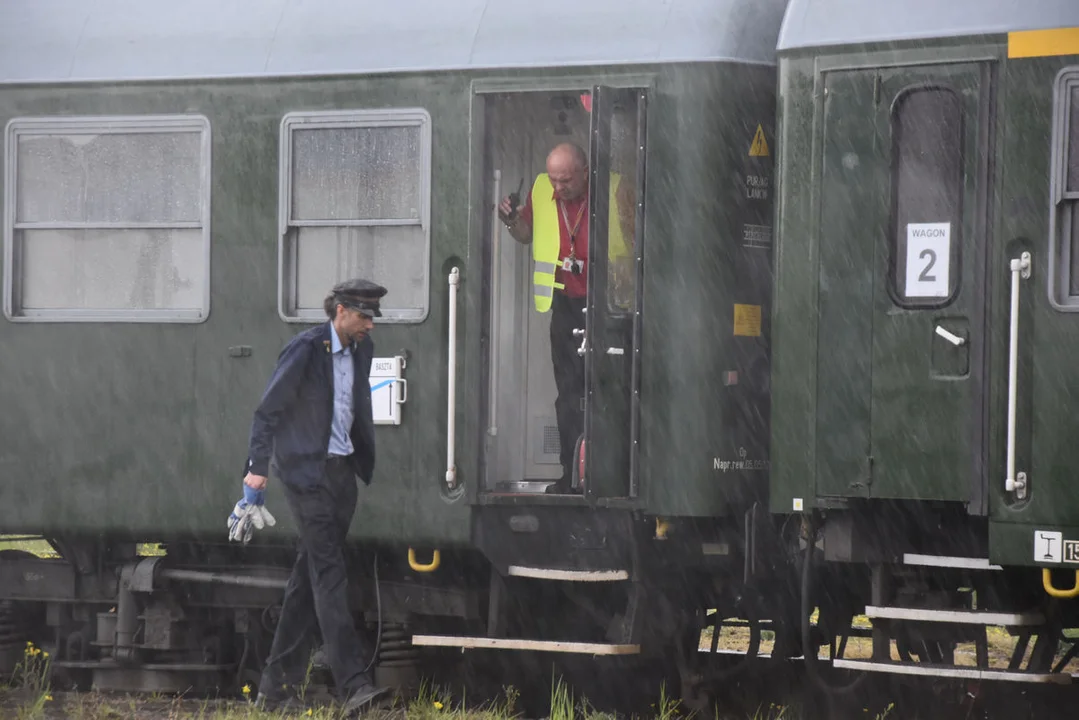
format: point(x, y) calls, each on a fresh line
point(923, 327)
point(181, 186)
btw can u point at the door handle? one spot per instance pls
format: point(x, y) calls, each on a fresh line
point(950, 337)
point(1020, 270)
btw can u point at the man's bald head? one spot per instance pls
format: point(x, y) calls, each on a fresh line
point(567, 169)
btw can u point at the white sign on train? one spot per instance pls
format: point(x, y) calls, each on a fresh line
point(388, 389)
point(928, 256)
point(1047, 546)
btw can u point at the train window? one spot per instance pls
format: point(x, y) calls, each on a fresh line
point(356, 201)
point(1073, 139)
point(1064, 191)
point(107, 219)
point(927, 166)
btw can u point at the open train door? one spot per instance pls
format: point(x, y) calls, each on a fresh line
point(612, 336)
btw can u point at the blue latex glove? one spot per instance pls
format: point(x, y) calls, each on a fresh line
point(249, 514)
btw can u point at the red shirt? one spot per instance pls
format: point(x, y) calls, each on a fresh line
point(576, 286)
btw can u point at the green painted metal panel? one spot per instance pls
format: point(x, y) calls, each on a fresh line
point(698, 265)
point(809, 400)
point(853, 211)
point(926, 440)
point(895, 403)
point(143, 428)
point(796, 308)
point(1048, 384)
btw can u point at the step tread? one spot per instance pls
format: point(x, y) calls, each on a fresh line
point(542, 573)
point(949, 561)
point(488, 643)
point(968, 673)
point(962, 617)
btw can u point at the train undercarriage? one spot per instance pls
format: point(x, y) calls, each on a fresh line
point(697, 605)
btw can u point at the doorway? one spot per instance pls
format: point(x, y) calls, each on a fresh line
point(522, 440)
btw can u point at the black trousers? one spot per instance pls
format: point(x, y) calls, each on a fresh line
point(316, 596)
point(566, 314)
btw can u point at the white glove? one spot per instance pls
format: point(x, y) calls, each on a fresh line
point(247, 515)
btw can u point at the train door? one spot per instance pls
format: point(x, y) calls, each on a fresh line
point(523, 447)
point(902, 385)
point(612, 334)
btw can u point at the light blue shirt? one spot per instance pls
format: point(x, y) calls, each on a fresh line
point(340, 442)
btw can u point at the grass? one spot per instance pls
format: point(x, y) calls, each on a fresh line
point(41, 548)
point(29, 698)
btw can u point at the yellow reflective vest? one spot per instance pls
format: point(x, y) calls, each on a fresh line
point(547, 240)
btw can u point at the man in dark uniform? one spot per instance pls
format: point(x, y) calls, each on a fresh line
point(315, 422)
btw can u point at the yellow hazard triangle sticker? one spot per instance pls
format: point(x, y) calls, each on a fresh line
point(759, 148)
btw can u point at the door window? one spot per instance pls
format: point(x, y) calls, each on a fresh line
point(927, 180)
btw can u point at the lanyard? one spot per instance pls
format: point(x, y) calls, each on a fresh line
point(576, 225)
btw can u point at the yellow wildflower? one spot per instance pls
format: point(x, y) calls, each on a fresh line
point(48, 698)
point(45, 654)
point(309, 713)
point(246, 690)
point(438, 705)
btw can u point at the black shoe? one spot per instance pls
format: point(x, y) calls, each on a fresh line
point(364, 698)
point(561, 487)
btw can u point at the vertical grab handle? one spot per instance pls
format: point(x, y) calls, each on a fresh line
point(451, 385)
point(1020, 269)
point(496, 316)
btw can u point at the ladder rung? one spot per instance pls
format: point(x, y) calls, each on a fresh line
point(930, 670)
point(486, 643)
point(947, 561)
point(959, 617)
point(568, 575)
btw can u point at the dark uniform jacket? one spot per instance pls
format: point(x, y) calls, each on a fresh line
point(292, 422)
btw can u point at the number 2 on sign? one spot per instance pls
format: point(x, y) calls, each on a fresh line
point(928, 255)
point(925, 276)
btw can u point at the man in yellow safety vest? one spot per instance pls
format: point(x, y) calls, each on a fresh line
point(554, 219)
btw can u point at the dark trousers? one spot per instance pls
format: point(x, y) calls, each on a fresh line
point(566, 314)
point(316, 596)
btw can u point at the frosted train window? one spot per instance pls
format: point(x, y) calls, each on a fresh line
point(355, 201)
point(1064, 194)
point(927, 165)
point(107, 219)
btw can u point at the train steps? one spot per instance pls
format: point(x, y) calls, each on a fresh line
point(493, 640)
point(925, 638)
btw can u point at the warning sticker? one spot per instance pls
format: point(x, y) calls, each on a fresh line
point(747, 320)
point(756, 236)
point(759, 148)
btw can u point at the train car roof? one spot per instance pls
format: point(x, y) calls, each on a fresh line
point(90, 40)
point(815, 23)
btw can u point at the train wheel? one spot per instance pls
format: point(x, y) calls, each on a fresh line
point(703, 668)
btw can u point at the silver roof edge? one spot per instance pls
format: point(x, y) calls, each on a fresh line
point(57, 41)
point(816, 23)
